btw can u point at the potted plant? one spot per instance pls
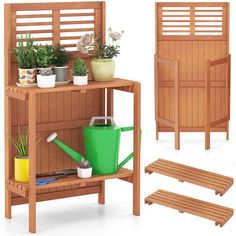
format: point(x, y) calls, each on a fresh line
point(80, 73)
point(103, 66)
point(26, 59)
point(21, 161)
point(84, 170)
point(45, 78)
point(60, 61)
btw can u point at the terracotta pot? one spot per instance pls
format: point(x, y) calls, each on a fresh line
point(103, 69)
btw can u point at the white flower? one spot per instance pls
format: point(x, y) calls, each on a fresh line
point(87, 39)
point(115, 36)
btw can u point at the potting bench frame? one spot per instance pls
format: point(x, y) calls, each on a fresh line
point(64, 109)
point(192, 68)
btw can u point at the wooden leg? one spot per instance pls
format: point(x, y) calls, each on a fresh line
point(136, 160)
point(157, 130)
point(227, 131)
point(8, 156)
point(32, 162)
point(177, 140)
point(101, 195)
point(207, 139)
point(8, 204)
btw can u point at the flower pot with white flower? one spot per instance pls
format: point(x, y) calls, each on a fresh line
point(45, 78)
point(103, 66)
point(26, 59)
point(60, 61)
point(80, 73)
point(84, 170)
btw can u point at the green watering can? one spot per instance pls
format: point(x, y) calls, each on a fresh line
point(102, 142)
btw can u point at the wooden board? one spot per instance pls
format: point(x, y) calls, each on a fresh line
point(217, 213)
point(219, 183)
point(192, 34)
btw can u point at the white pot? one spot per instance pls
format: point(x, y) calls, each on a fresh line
point(48, 81)
point(80, 80)
point(84, 172)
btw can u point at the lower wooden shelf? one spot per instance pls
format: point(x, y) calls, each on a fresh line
point(207, 210)
point(22, 189)
point(219, 183)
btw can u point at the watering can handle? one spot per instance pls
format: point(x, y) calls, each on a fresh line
point(91, 123)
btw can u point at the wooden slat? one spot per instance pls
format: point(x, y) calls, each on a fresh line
point(166, 122)
point(220, 121)
point(34, 23)
point(33, 31)
point(219, 214)
point(76, 30)
point(34, 16)
point(78, 22)
point(219, 183)
point(76, 14)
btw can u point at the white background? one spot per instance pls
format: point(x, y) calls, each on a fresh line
point(82, 215)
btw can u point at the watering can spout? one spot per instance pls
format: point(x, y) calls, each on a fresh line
point(75, 155)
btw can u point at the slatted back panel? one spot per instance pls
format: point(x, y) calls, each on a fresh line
point(54, 23)
point(192, 33)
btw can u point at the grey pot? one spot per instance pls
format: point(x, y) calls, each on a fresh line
point(61, 73)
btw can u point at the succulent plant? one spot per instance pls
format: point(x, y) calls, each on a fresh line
point(45, 71)
point(84, 164)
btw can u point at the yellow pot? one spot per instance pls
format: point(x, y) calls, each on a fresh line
point(103, 69)
point(22, 169)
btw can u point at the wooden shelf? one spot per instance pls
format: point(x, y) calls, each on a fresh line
point(23, 188)
point(219, 183)
point(217, 213)
point(22, 93)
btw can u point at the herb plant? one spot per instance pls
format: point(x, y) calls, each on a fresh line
point(60, 56)
point(44, 56)
point(79, 68)
point(25, 54)
point(21, 144)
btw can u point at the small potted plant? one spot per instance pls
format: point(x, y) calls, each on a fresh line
point(84, 170)
point(45, 78)
point(21, 161)
point(80, 73)
point(26, 59)
point(60, 62)
point(103, 66)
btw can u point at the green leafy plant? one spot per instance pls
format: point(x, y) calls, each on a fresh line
point(60, 56)
point(25, 54)
point(21, 144)
point(44, 56)
point(79, 68)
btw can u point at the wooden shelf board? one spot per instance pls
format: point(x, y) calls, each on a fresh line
point(13, 89)
point(217, 213)
point(219, 183)
point(23, 188)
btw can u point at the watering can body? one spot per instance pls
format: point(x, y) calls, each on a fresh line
point(102, 144)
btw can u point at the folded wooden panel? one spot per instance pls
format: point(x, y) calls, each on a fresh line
point(219, 183)
point(217, 213)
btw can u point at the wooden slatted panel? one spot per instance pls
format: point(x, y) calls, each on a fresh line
point(52, 23)
point(217, 213)
point(219, 183)
point(192, 51)
point(192, 19)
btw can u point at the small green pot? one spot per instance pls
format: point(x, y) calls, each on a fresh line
point(103, 69)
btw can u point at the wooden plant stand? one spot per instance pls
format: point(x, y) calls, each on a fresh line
point(219, 183)
point(64, 109)
point(207, 210)
point(192, 69)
